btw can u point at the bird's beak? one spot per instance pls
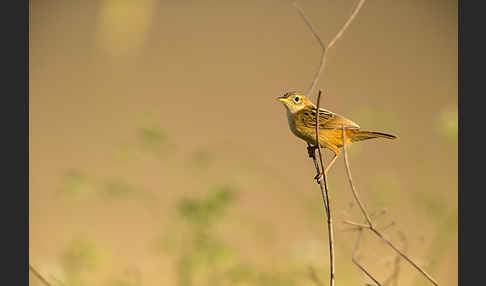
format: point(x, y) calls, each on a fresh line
point(282, 99)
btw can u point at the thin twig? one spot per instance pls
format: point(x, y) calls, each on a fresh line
point(370, 224)
point(355, 261)
point(345, 26)
point(375, 215)
point(329, 215)
point(359, 225)
point(323, 185)
point(331, 43)
point(323, 182)
point(387, 226)
point(312, 154)
point(38, 275)
point(355, 194)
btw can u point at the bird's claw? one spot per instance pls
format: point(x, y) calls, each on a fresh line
point(318, 177)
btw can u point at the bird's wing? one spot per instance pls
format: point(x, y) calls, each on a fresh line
point(327, 119)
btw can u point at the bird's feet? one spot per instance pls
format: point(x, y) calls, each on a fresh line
point(318, 177)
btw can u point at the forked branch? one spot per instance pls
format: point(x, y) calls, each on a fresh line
point(369, 224)
point(323, 183)
point(331, 43)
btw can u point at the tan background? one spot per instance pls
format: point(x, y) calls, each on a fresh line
point(136, 106)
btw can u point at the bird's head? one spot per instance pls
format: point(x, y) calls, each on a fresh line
point(294, 101)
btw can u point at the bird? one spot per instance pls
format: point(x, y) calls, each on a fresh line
point(301, 115)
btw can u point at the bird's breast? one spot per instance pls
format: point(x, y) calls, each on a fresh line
point(298, 129)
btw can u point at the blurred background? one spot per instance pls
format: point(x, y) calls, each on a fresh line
point(159, 155)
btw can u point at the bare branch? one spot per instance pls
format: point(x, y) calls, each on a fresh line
point(404, 256)
point(323, 47)
point(396, 272)
point(370, 224)
point(388, 226)
point(323, 183)
point(329, 214)
point(312, 155)
point(325, 194)
point(345, 26)
point(360, 225)
point(348, 171)
point(375, 216)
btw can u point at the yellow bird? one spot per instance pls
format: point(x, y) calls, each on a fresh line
point(301, 114)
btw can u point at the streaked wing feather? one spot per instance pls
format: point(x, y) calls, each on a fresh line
point(327, 119)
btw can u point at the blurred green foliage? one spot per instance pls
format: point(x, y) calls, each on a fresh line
point(82, 258)
point(118, 189)
point(74, 184)
point(202, 159)
point(125, 153)
point(79, 258)
point(205, 210)
point(153, 137)
point(81, 255)
point(202, 257)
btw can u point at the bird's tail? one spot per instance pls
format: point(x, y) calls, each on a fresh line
point(364, 135)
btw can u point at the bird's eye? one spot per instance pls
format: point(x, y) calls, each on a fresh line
point(297, 99)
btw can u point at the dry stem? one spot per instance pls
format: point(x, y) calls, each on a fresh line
point(369, 224)
point(331, 43)
point(396, 272)
point(328, 209)
point(323, 183)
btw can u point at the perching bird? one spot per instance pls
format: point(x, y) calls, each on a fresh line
point(301, 114)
